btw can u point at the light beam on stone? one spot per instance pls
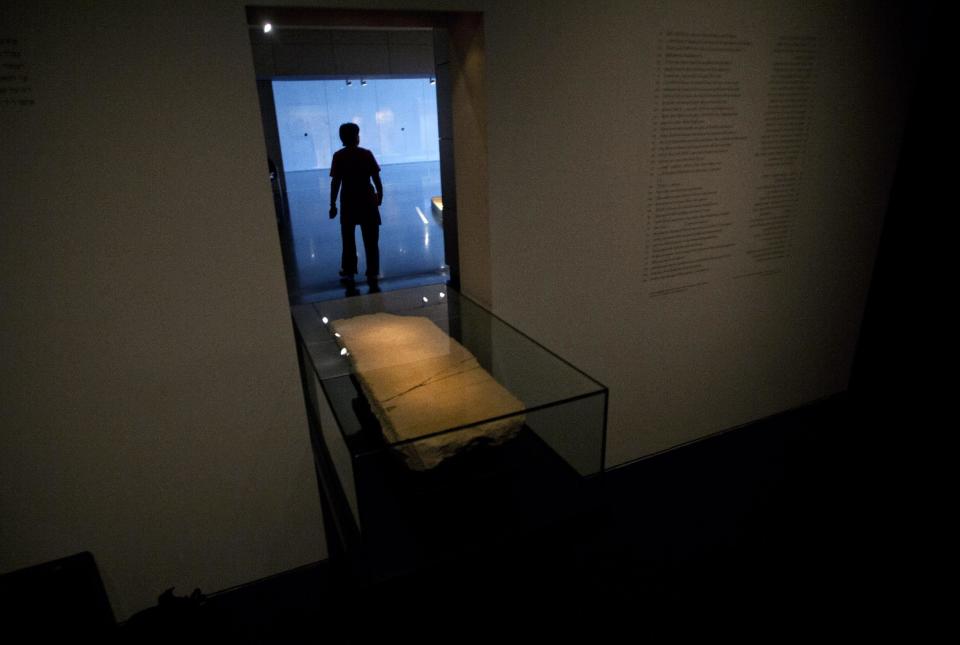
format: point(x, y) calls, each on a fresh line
point(420, 382)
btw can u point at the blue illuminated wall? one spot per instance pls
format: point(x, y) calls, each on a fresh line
point(397, 119)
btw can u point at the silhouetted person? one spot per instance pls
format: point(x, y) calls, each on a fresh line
point(352, 169)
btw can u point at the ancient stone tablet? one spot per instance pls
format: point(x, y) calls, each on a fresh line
point(420, 381)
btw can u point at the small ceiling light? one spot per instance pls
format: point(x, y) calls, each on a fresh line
point(443, 295)
point(267, 27)
point(325, 320)
point(433, 81)
point(362, 82)
point(337, 334)
point(344, 352)
point(349, 82)
point(425, 300)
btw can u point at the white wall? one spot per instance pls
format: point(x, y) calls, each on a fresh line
point(152, 411)
point(397, 119)
point(570, 124)
point(151, 407)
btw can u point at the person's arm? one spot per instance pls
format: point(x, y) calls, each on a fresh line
point(334, 189)
point(374, 168)
point(379, 186)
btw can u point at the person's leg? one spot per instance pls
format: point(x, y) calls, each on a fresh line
point(348, 259)
point(371, 247)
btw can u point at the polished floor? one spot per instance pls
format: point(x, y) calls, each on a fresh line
point(411, 236)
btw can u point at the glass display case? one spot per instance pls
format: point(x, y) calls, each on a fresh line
point(437, 426)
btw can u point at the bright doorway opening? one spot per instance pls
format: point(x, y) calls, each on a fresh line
point(398, 123)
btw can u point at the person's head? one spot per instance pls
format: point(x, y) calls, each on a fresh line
point(350, 134)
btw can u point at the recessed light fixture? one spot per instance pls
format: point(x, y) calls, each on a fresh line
point(362, 82)
point(433, 81)
point(267, 27)
point(349, 82)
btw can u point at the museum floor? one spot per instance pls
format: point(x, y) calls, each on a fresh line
point(411, 236)
point(788, 520)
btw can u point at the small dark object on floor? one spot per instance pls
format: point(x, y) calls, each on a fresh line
point(186, 617)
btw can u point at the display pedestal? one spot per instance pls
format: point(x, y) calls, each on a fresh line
point(384, 519)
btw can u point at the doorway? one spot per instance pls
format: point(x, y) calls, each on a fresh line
point(311, 80)
point(398, 124)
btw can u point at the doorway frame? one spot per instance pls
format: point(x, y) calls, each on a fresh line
point(461, 109)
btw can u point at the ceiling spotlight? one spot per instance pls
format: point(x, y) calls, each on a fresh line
point(433, 81)
point(267, 27)
point(325, 320)
point(349, 82)
point(362, 82)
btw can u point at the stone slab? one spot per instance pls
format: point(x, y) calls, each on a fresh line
point(419, 381)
